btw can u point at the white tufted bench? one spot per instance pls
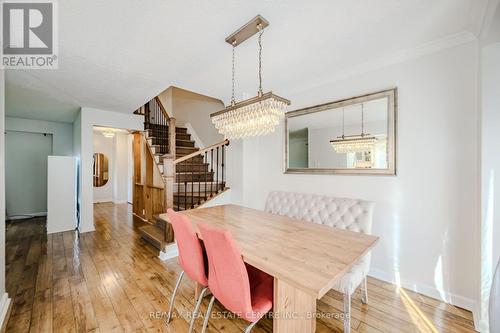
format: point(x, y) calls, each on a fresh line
point(350, 214)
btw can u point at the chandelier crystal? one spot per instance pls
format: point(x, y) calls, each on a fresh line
point(354, 144)
point(255, 116)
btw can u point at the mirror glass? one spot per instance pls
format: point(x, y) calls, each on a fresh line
point(355, 135)
point(101, 173)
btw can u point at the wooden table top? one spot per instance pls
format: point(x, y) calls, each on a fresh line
point(307, 255)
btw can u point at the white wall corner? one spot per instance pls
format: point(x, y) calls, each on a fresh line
point(5, 303)
point(197, 141)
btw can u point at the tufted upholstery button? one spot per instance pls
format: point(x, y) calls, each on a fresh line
point(350, 214)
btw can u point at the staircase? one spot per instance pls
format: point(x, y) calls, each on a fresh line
point(198, 174)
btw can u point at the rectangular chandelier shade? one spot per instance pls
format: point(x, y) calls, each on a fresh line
point(254, 116)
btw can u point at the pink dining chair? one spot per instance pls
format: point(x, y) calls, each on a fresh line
point(242, 289)
point(190, 258)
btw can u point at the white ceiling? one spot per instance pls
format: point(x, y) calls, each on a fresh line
point(116, 54)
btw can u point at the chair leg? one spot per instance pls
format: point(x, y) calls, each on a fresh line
point(197, 307)
point(250, 327)
point(208, 314)
point(179, 279)
point(364, 296)
point(347, 312)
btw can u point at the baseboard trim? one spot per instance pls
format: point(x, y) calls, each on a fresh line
point(25, 216)
point(5, 307)
point(171, 251)
point(451, 298)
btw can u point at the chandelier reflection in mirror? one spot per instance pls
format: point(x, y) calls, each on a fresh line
point(255, 116)
point(354, 143)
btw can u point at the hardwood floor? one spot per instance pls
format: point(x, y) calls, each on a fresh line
point(112, 281)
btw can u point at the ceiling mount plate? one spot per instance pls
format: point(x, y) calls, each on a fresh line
point(247, 31)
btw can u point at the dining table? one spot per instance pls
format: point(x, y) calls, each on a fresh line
point(305, 259)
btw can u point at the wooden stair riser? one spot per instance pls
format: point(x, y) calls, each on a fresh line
point(182, 130)
point(194, 177)
point(185, 150)
point(183, 136)
point(179, 143)
point(195, 160)
point(192, 167)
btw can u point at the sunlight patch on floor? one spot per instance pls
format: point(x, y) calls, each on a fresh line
point(422, 323)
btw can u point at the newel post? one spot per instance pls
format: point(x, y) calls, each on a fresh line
point(169, 180)
point(171, 136)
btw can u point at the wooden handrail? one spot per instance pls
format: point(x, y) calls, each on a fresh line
point(162, 108)
point(201, 151)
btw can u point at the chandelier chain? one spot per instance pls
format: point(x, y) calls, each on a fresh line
point(233, 99)
point(362, 120)
point(343, 123)
point(260, 58)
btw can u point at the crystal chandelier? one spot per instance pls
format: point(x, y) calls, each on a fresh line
point(353, 143)
point(255, 116)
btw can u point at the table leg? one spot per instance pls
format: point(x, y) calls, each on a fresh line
point(293, 309)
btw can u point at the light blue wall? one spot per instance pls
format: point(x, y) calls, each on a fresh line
point(26, 156)
point(62, 132)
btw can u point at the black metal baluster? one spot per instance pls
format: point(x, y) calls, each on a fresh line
point(198, 199)
point(206, 178)
point(211, 171)
point(185, 193)
point(178, 192)
point(192, 183)
point(222, 169)
point(162, 117)
point(217, 173)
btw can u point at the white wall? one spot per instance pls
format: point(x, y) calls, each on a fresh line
point(90, 117)
point(77, 138)
point(116, 150)
point(61, 194)
point(193, 110)
point(490, 169)
point(121, 168)
point(130, 170)
point(427, 215)
point(62, 133)
point(4, 298)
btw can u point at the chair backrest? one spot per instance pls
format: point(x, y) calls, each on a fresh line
point(350, 214)
point(494, 308)
point(190, 251)
point(227, 275)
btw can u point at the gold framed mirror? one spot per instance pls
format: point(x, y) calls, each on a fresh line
point(101, 172)
point(351, 136)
